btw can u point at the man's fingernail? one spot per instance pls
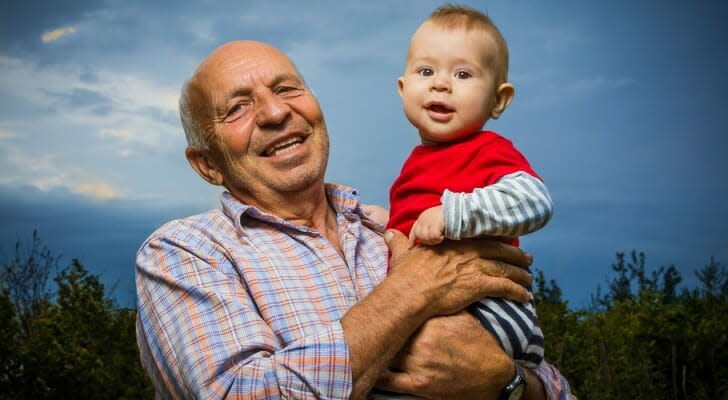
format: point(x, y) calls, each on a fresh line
point(388, 236)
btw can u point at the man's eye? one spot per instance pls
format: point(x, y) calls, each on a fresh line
point(286, 90)
point(463, 75)
point(426, 71)
point(236, 108)
point(236, 111)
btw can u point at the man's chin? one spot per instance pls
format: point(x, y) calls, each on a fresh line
point(299, 182)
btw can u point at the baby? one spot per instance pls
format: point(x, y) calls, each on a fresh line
point(463, 182)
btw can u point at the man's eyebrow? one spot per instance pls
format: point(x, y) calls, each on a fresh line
point(247, 91)
point(278, 79)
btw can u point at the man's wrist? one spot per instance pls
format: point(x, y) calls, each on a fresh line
point(516, 386)
point(534, 386)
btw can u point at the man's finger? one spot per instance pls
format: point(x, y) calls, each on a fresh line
point(398, 382)
point(397, 242)
point(505, 288)
point(493, 250)
point(403, 361)
point(499, 269)
point(412, 236)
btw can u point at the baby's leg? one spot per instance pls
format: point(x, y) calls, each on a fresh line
point(514, 325)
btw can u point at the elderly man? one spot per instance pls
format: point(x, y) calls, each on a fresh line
point(283, 293)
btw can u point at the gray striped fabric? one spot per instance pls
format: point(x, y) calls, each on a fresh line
point(516, 205)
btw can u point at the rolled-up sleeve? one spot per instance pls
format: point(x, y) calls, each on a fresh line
point(201, 334)
point(557, 387)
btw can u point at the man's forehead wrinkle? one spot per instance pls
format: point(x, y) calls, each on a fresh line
point(238, 69)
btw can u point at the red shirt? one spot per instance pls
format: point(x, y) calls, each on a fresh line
point(477, 161)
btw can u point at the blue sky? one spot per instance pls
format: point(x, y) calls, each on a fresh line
point(619, 106)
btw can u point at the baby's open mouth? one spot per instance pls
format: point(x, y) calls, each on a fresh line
point(439, 108)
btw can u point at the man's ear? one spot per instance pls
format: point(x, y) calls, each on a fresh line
point(400, 85)
point(204, 165)
point(503, 97)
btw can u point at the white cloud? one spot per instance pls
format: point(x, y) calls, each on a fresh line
point(98, 191)
point(47, 173)
point(131, 104)
point(5, 134)
point(56, 34)
point(113, 133)
point(76, 133)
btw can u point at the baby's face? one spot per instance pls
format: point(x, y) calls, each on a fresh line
point(449, 85)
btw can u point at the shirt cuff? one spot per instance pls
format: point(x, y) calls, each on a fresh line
point(555, 385)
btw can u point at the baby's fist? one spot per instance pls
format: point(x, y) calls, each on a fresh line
point(429, 227)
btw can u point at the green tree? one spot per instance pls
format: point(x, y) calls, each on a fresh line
point(25, 278)
point(644, 338)
point(10, 361)
point(79, 344)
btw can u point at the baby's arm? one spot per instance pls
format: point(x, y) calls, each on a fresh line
point(516, 205)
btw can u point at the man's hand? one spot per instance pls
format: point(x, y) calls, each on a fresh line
point(426, 281)
point(454, 274)
point(376, 213)
point(429, 227)
point(450, 357)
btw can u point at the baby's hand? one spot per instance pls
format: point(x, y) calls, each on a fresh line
point(376, 213)
point(429, 227)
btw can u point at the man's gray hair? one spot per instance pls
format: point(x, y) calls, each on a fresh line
point(195, 134)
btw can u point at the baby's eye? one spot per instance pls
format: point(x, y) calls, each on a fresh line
point(426, 71)
point(463, 75)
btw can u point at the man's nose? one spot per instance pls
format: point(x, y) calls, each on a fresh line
point(271, 109)
point(440, 83)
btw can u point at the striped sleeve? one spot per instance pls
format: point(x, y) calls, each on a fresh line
point(517, 204)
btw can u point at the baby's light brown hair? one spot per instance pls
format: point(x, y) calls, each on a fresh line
point(452, 16)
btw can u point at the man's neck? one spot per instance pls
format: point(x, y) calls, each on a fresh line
point(308, 207)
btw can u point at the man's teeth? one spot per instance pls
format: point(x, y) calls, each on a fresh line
point(284, 146)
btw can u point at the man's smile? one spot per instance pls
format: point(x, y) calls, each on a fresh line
point(284, 146)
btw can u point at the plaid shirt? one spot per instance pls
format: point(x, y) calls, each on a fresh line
point(243, 304)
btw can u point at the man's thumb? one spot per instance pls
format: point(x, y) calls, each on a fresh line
point(396, 241)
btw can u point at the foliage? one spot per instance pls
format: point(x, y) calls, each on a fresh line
point(75, 344)
point(24, 277)
point(643, 339)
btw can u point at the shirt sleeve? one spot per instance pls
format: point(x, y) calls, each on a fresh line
point(200, 334)
point(556, 386)
point(517, 204)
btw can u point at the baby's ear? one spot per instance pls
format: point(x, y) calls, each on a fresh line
point(503, 97)
point(400, 85)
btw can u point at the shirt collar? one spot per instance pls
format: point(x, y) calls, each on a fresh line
point(343, 199)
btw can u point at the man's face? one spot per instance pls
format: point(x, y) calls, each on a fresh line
point(448, 88)
point(272, 135)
